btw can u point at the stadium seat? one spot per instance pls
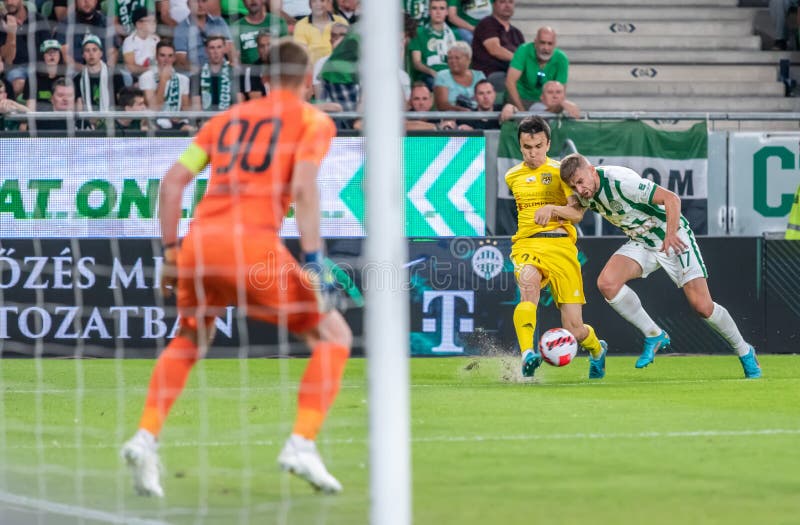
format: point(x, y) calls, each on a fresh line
point(665, 56)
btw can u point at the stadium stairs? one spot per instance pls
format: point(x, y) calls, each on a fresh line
point(662, 55)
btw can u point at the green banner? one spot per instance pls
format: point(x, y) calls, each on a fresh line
point(629, 138)
point(100, 187)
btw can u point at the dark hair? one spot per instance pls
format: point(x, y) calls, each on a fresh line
point(480, 83)
point(532, 126)
point(570, 164)
point(289, 59)
point(211, 38)
point(139, 13)
point(127, 95)
point(165, 42)
point(62, 81)
point(409, 26)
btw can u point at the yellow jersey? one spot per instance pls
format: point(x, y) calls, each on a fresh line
point(534, 188)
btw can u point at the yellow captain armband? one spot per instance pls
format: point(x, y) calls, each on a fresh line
point(194, 158)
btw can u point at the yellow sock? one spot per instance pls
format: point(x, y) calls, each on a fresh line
point(592, 343)
point(525, 324)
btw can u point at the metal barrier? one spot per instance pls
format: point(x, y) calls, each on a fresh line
point(428, 115)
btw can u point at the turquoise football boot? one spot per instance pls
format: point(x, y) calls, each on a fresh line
point(597, 367)
point(752, 370)
point(531, 360)
point(651, 346)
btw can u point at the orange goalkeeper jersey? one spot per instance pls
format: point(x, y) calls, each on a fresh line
point(253, 148)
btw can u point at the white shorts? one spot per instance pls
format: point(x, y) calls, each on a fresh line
point(681, 267)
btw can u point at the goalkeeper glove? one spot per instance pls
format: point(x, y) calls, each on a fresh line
point(321, 270)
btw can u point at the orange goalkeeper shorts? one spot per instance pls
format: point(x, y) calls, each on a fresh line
point(218, 268)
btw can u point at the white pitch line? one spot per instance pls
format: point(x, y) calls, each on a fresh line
point(618, 435)
point(293, 385)
point(525, 437)
point(539, 381)
point(73, 510)
point(465, 439)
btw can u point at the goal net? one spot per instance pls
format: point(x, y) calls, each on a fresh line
point(82, 317)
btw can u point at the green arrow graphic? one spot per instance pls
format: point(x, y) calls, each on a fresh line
point(444, 194)
point(352, 195)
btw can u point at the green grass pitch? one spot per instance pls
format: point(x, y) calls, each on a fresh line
point(683, 441)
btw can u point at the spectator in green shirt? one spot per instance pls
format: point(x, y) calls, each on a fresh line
point(123, 14)
point(245, 30)
point(464, 15)
point(533, 65)
point(341, 84)
point(429, 48)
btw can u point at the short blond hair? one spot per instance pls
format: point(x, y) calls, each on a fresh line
point(572, 163)
point(288, 61)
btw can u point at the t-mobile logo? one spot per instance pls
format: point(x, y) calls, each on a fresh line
point(447, 317)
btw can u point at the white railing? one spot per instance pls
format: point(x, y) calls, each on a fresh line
point(427, 115)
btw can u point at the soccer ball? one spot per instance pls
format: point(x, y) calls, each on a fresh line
point(558, 347)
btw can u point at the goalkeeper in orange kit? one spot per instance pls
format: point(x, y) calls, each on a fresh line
point(263, 154)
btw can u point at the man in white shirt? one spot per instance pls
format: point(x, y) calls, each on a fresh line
point(166, 89)
point(139, 48)
point(659, 237)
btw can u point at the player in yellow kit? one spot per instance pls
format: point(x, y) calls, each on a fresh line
point(543, 249)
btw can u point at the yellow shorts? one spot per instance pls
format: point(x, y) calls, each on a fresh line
point(557, 261)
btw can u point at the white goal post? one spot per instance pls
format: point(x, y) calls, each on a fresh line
point(386, 316)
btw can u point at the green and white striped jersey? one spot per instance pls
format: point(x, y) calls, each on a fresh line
point(626, 200)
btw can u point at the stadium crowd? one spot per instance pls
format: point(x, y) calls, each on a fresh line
point(179, 55)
